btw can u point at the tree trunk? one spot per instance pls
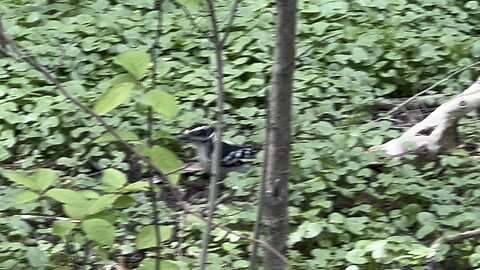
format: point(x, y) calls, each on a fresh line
point(278, 136)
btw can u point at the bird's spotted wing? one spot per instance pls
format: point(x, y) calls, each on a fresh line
point(237, 156)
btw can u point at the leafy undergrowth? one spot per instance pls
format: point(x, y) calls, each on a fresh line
point(344, 212)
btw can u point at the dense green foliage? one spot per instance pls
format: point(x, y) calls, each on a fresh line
point(344, 215)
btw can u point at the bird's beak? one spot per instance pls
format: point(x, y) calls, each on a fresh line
point(181, 137)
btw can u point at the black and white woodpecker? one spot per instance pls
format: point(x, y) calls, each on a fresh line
point(233, 157)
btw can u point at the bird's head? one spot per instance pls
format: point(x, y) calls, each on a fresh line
point(197, 133)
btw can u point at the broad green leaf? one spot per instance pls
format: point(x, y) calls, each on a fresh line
point(149, 264)
point(114, 178)
point(135, 62)
point(166, 160)
point(425, 217)
point(162, 102)
point(420, 251)
point(476, 49)
point(37, 258)
point(474, 259)
point(99, 230)
point(377, 248)
point(108, 137)
point(26, 196)
point(67, 196)
point(146, 236)
point(75, 211)
point(324, 128)
point(123, 78)
point(21, 178)
point(124, 201)
point(355, 225)
point(102, 203)
point(426, 229)
point(112, 98)
point(62, 227)
point(45, 177)
point(137, 186)
point(311, 229)
point(356, 256)
point(191, 4)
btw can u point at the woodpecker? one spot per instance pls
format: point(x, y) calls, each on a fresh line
point(233, 158)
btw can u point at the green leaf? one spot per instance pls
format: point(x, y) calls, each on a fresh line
point(149, 264)
point(311, 229)
point(426, 229)
point(166, 161)
point(112, 98)
point(114, 178)
point(26, 196)
point(67, 196)
point(355, 225)
point(324, 128)
point(146, 236)
point(108, 137)
point(356, 256)
point(62, 227)
point(135, 62)
point(162, 102)
point(102, 203)
point(99, 230)
point(21, 178)
point(425, 217)
point(137, 186)
point(37, 258)
point(124, 201)
point(476, 49)
point(75, 211)
point(420, 251)
point(45, 177)
point(474, 260)
point(377, 248)
point(190, 4)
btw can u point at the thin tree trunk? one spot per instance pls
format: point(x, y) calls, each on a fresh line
point(278, 136)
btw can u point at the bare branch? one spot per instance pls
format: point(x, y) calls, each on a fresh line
point(448, 240)
point(228, 27)
point(193, 22)
point(217, 154)
point(153, 197)
point(275, 204)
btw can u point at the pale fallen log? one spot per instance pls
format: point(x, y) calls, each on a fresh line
point(437, 133)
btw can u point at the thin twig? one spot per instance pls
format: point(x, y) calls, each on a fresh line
point(228, 27)
point(399, 106)
point(261, 198)
point(176, 194)
point(179, 169)
point(193, 22)
point(216, 159)
point(153, 195)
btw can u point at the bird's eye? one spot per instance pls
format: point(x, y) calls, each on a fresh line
point(200, 133)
